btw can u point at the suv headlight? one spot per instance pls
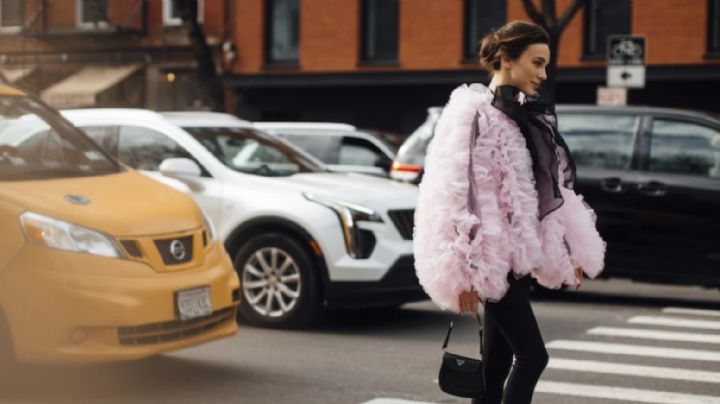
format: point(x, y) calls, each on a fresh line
point(212, 235)
point(53, 233)
point(359, 243)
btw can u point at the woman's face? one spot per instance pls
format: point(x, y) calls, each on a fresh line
point(528, 71)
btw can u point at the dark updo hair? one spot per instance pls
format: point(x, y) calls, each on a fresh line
point(510, 41)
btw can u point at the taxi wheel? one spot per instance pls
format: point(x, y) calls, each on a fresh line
point(278, 283)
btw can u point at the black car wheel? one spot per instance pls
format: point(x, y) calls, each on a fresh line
point(279, 284)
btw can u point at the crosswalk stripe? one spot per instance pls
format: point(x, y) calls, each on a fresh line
point(694, 312)
point(623, 393)
point(637, 350)
point(675, 322)
point(655, 372)
point(656, 334)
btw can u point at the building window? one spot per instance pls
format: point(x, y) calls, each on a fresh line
point(481, 16)
point(171, 14)
point(282, 32)
point(12, 13)
point(380, 21)
point(714, 27)
point(602, 19)
point(91, 13)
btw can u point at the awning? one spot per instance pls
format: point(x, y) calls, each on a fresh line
point(82, 88)
point(15, 74)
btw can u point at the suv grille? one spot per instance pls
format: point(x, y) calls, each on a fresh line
point(156, 333)
point(404, 221)
point(175, 251)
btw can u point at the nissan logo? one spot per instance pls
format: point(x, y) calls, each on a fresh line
point(177, 250)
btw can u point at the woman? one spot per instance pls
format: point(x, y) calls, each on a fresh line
point(497, 207)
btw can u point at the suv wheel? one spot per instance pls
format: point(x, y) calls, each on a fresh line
point(278, 281)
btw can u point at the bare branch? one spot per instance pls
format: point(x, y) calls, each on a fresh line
point(548, 10)
point(570, 13)
point(533, 12)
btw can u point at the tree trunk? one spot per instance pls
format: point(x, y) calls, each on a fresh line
point(547, 18)
point(211, 87)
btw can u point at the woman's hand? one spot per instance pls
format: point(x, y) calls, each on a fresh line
point(579, 277)
point(468, 302)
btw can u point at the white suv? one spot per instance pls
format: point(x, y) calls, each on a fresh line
point(301, 237)
point(341, 146)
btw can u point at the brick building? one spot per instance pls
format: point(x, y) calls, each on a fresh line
point(77, 53)
point(380, 63)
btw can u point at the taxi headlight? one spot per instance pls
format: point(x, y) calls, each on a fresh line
point(53, 233)
point(212, 235)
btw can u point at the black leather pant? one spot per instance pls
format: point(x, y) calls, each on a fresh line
point(510, 329)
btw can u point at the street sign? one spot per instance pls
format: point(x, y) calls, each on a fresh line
point(626, 76)
point(613, 97)
point(626, 61)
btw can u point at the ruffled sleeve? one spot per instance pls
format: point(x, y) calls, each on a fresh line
point(586, 247)
point(443, 221)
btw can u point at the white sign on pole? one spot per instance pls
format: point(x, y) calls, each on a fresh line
point(612, 96)
point(626, 61)
point(626, 76)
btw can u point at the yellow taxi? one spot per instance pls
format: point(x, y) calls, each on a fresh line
point(97, 261)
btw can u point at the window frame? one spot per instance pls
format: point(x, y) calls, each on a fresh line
point(169, 21)
point(363, 58)
point(713, 49)
point(473, 58)
point(13, 28)
point(268, 37)
point(589, 21)
point(89, 25)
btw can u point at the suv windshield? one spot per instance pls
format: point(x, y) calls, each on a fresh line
point(253, 152)
point(37, 143)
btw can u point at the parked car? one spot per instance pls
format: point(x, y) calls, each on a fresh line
point(301, 237)
point(653, 177)
point(340, 146)
point(98, 262)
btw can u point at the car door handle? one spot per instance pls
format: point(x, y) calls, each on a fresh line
point(612, 184)
point(652, 188)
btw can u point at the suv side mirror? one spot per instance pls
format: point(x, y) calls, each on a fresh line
point(383, 162)
point(179, 168)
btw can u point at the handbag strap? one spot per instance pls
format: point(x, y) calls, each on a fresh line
point(450, 328)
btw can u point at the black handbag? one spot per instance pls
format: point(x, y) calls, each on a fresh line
point(460, 375)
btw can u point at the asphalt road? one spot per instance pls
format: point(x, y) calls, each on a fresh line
point(614, 342)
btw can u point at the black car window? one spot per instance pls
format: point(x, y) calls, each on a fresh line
point(358, 152)
point(684, 148)
point(323, 147)
point(144, 149)
point(596, 140)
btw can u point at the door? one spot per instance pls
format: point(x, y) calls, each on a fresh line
point(679, 201)
point(603, 147)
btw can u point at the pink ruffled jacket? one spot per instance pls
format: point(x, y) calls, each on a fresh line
point(457, 249)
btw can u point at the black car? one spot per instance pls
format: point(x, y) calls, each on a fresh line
point(653, 177)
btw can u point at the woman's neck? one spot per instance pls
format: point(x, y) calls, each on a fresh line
point(497, 81)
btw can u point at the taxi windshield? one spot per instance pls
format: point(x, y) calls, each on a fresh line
point(37, 143)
